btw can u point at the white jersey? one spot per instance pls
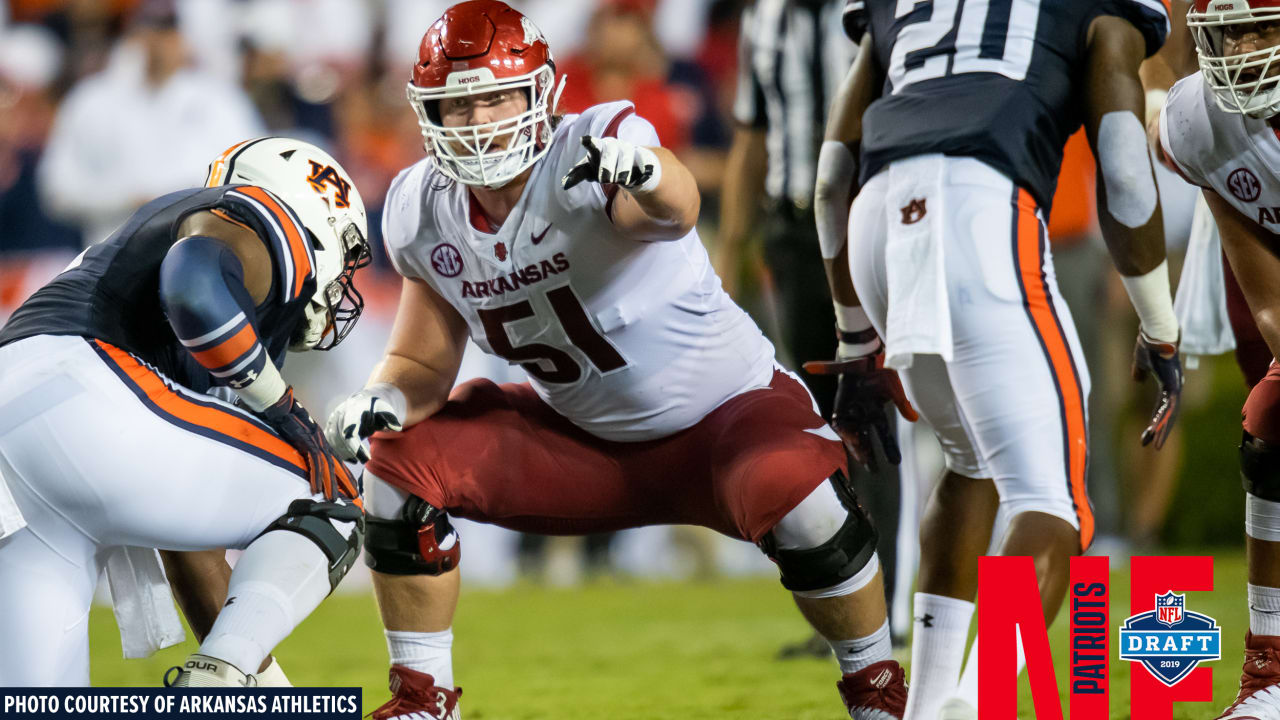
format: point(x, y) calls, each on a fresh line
point(1236, 156)
point(628, 340)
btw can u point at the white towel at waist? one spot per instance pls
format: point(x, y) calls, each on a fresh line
point(11, 520)
point(142, 601)
point(1201, 300)
point(919, 313)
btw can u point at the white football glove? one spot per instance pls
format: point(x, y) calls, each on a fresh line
point(613, 160)
point(380, 406)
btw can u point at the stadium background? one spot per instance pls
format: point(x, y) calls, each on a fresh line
point(656, 621)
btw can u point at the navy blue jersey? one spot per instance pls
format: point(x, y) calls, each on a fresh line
point(111, 291)
point(995, 80)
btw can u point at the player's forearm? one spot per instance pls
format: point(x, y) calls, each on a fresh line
point(1158, 75)
point(671, 208)
point(832, 195)
point(1134, 250)
point(860, 87)
point(743, 185)
point(1139, 256)
point(425, 389)
point(1175, 60)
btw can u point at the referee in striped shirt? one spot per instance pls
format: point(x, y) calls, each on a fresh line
point(792, 56)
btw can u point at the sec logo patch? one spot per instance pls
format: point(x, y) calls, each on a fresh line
point(446, 260)
point(1244, 185)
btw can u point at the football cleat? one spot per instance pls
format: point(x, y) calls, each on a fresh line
point(204, 671)
point(957, 709)
point(1259, 697)
point(415, 696)
point(876, 692)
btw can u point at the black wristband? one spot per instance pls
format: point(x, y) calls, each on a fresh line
point(857, 338)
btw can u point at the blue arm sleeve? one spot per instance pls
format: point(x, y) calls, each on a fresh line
point(203, 294)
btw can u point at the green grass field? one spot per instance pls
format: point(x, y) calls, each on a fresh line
point(639, 650)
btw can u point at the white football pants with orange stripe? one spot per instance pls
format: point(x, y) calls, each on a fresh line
point(99, 451)
point(1010, 402)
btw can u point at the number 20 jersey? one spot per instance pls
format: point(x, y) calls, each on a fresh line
point(994, 80)
point(629, 340)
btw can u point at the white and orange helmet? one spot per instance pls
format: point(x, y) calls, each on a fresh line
point(478, 47)
point(1245, 83)
point(326, 201)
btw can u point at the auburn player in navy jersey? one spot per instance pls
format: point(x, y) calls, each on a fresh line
point(116, 432)
point(950, 129)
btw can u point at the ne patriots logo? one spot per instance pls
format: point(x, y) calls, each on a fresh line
point(1169, 640)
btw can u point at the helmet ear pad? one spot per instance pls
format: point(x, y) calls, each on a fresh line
point(432, 109)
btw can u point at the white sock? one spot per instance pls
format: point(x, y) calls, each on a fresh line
point(853, 655)
point(938, 636)
point(281, 577)
point(1264, 610)
point(968, 689)
point(426, 652)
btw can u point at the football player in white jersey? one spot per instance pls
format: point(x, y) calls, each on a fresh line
point(1219, 129)
point(566, 244)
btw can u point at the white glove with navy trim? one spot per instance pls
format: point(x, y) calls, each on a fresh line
point(614, 160)
point(380, 406)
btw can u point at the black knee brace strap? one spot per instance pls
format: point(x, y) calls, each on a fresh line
point(837, 559)
point(410, 545)
point(1260, 468)
point(312, 520)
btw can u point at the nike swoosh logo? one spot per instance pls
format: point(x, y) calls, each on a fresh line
point(538, 238)
point(825, 432)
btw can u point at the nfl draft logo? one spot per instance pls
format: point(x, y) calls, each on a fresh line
point(1170, 641)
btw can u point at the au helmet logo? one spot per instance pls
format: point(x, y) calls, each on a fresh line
point(1170, 641)
point(914, 211)
point(322, 175)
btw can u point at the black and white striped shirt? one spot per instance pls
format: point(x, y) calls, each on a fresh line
point(792, 56)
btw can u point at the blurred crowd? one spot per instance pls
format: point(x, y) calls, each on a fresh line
point(105, 104)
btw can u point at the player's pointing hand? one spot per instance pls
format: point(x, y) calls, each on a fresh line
point(613, 160)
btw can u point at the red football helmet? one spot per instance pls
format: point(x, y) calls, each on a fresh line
point(478, 47)
point(1246, 83)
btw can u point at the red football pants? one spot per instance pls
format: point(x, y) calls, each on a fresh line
point(499, 454)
